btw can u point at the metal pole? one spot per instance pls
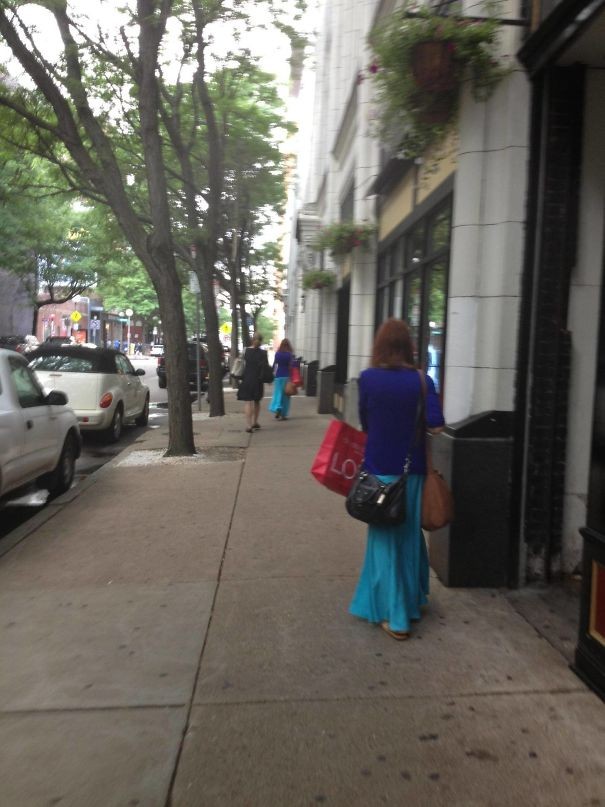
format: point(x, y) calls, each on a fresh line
point(129, 313)
point(197, 353)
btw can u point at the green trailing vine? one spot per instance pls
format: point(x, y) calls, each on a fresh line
point(318, 279)
point(344, 236)
point(417, 104)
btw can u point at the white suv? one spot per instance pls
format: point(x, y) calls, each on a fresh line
point(39, 435)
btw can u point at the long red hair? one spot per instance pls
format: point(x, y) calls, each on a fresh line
point(393, 346)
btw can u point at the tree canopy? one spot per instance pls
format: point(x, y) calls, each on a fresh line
point(130, 112)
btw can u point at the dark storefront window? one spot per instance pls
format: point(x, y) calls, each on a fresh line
point(412, 284)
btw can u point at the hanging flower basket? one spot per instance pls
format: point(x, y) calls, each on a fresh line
point(433, 66)
point(433, 109)
point(420, 59)
point(343, 237)
point(318, 279)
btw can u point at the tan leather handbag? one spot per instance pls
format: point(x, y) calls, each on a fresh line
point(437, 499)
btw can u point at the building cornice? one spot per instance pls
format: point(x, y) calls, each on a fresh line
point(560, 29)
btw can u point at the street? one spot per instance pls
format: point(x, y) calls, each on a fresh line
point(95, 452)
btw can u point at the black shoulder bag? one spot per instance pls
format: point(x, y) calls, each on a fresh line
point(382, 503)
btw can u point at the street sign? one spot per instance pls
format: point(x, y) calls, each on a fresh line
point(95, 325)
point(194, 283)
point(75, 316)
point(225, 328)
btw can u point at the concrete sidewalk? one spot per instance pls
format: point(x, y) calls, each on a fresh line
point(177, 634)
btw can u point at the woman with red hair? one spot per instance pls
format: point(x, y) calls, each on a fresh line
point(282, 364)
point(394, 580)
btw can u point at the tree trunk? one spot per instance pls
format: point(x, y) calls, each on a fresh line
point(215, 349)
point(162, 266)
point(35, 314)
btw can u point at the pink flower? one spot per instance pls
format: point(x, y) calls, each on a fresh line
point(374, 67)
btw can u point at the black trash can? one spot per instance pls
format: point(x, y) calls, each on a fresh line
point(325, 390)
point(475, 457)
point(311, 378)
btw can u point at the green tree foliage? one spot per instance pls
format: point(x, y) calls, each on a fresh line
point(44, 237)
point(266, 326)
point(131, 114)
point(255, 185)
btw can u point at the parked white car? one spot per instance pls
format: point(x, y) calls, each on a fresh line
point(104, 389)
point(39, 435)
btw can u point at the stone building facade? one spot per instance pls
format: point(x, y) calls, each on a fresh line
point(463, 251)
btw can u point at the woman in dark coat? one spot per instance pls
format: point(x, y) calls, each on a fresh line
point(251, 388)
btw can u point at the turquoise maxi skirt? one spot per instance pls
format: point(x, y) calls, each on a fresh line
point(394, 580)
point(280, 401)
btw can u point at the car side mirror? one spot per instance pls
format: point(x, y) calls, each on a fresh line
point(56, 398)
point(139, 371)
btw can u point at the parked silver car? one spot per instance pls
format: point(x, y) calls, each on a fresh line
point(39, 435)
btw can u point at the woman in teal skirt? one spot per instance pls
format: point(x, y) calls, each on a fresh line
point(280, 402)
point(394, 580)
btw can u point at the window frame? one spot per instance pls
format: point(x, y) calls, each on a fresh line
point(417, 231)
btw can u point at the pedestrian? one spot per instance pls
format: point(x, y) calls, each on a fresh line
point(251, 388)
point(280, 403)
point(394, 580)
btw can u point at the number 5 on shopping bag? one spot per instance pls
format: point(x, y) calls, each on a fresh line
point(339, 457)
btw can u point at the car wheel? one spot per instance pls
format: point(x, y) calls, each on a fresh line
point(114, 432)
point(143, 418)
point(161, 382)
point(59, 480)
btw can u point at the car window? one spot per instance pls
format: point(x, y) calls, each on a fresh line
point(64, 363)
point(192, 351)
point(29, 392)
point(124, 367)
point(126, 361)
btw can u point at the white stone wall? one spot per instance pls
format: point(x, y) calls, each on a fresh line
point(487, 250)
point(584, 318)
point(344, 154)
point(489, 211)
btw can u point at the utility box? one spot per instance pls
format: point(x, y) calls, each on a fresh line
point(325, 390)
point(310, 384)
point(475, 458)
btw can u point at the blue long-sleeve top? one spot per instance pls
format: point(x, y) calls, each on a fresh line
point(387, 410)
point(282, 361)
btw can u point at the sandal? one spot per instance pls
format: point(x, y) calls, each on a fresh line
point(399, 635)
point(278, 414)
point(256, 426)
point(249, 431)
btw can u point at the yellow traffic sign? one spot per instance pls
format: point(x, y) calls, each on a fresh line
point(75, 316)
point(225, 327)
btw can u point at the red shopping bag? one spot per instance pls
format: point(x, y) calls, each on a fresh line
point(339, 457)
point(295, 376)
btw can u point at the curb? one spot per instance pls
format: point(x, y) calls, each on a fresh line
point(53, 508)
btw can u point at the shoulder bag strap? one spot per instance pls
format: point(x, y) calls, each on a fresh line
point(417, 424)
point(429, 458)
